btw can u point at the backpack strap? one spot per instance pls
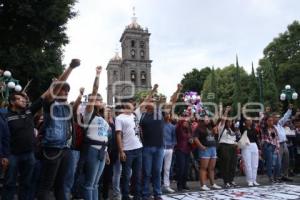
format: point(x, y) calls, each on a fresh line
point(142, 116)
point(90, 121)
point(221, 135)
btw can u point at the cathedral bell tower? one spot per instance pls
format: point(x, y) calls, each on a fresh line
point(135, 65)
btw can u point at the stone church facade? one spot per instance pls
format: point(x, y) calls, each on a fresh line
point(130, 73)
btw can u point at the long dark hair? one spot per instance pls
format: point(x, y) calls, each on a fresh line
point(229, 127)
point(202, 127)
point(181, 127)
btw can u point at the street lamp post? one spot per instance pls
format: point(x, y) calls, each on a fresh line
point(7, 84)
point(288, 93)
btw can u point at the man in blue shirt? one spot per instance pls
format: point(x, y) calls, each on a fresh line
point(152, 125)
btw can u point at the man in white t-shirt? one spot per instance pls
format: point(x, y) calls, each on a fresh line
point(130, 148)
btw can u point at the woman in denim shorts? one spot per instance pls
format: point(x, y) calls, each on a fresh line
point(205, 140)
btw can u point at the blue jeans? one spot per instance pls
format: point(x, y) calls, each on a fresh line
point(152, 166)
point(132, 164)
point(23, 164)
point(272, 160)
point(93, 168)
point(72, 160)
point(117, 168)
point(210, 152)
point(79, 177)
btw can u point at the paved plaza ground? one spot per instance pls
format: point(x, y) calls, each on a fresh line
point(285, 190)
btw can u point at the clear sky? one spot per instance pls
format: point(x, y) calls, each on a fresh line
point(185, 34)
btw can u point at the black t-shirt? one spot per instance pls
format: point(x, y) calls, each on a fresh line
point(21, 128)
point(252, 135)
point(152, 129)
point(206, 137)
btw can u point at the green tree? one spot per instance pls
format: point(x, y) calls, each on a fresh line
point(213, 93)
point(32, 36)
point(225, 85)
point(284, 49)
point(270, 91)
point(193, 81)
point(253, 87)
point(237, 86)
point(289, 74)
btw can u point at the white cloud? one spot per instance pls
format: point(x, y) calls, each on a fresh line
point(184, 34)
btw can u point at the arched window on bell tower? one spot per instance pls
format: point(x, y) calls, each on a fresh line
point(132, 43)
point(142, 54)
point(143, 78)
point(115, 75)
point(133, 76)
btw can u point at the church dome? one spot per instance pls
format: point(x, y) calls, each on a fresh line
point(134, 25)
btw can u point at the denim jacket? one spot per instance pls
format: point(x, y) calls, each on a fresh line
point(57, 125)
point(169, 135)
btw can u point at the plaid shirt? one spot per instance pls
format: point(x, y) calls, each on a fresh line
point(266, 137)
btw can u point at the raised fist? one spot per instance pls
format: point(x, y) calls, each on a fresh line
point(155, 86)
point(179, 86)
point(81, 90)
point(228, 108)
point(74, 63)
point(54, 79)
point(98, 69)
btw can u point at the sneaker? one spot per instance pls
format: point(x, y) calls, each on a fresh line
point(227, 185)
point(215, 186)
point(250, 184)
point(179, 189)
point(233, 184)
point(169, 190)
point(284, 178)
point(186, 188)
point(204, 188)
point(277, 180)
point(291, 174)
point(116, 197)
point(256, 183)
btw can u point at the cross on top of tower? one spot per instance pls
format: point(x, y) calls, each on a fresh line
point(133, 9)
point(134, 24)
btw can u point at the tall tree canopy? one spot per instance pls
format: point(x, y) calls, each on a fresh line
point(225, 80)
point(283, 55)
point(253, 87)
point(32, 36)
point(270, 91)
point(285, 48)
point(193, 81)
point(279, 66)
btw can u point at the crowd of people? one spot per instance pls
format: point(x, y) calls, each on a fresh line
point(50, 147)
